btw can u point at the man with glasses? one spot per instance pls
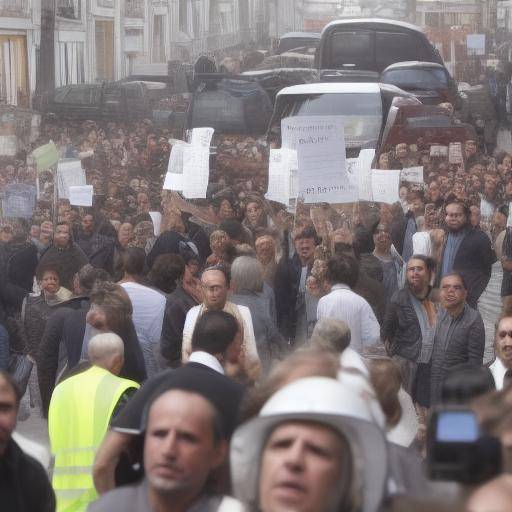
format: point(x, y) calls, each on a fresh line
point(466, 250)
point(215, 285)
point(459, 336)
point(502, 367)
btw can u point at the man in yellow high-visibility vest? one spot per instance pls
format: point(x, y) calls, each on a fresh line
point(81, 409)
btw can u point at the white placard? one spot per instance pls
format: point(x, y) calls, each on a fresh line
point(363, 169)
point(385, 186)
point(70, 174)
point(438, 151)
point(412, 174)
point(81, 195)
point(174, 177)
point(455, 153)
point(320, 144)
point(8, 145)
point(278, 178)
point(156, 218)
point(196, 171)
point(201, 137)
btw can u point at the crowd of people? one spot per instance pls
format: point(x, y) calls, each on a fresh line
point(248, 358)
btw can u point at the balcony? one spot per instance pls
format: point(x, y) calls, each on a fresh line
point(134, 8)
point(14, 8)
point(69, 9)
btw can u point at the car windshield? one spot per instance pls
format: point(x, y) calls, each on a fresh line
point(429, 79)
point(361, 113)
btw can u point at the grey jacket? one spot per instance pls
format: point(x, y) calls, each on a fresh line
point(456, 341)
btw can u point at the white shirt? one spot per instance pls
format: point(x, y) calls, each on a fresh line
point(421, 243)
point(343, 304)
point(148, 312)
point(207, 359)
point(498, 371)
point(251, 359)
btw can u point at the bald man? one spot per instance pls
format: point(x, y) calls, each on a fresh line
point(494, 496)
point(81, 409)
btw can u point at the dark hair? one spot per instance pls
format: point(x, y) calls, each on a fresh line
point(214, 332)
point(220, 268)
point(133, 259)
point(13, 384)
point(464, 382)
point(456, 274)
point(115, 302)
point(233, 228)
point(88, 276)
point(166, 270)
point(453, 199)
point(342, 269)
point(48, 267)
point(429, 262)
point(307, 232)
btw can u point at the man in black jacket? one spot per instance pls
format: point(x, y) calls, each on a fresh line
point(408, 327)
point(466, 250)
point(290, 287)
point(24, 485)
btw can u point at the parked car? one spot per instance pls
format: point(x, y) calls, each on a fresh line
point(364, 108)
point(372, 44)
point(294, 40)
point(111, 100)
point(430, 82)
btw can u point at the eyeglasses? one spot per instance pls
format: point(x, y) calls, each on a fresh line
point(503, 334)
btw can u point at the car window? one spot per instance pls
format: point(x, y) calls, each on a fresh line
point(391, 47)
point(87, 95)
point(352, 49)
point(416, 78)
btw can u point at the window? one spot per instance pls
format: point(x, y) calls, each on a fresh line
point(70, 64)
point(393, 47)
point(104, 38)
point(158, 38)
point(70, 9)
point(416, 78)
point(352, 49)
point(133, 40)
point(134, 8)
point(83, 95)
point(14, 8)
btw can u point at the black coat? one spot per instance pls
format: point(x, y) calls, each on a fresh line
point(401, 327)
point(286, 289)
point(176, 309)
point(68, 326)
point(473, 261)
point(24, 485)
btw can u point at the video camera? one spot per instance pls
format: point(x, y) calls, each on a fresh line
point(457, 449)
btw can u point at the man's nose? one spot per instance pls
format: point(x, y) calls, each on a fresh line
point(294, 456)
point(170, 445)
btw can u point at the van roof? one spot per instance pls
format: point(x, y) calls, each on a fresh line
point(332, 88)
point(309, 35)
point(373, 21)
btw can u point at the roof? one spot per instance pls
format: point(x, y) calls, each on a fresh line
point(309, 35)
point(332, 88)
point(374, 21)
point(414, 64)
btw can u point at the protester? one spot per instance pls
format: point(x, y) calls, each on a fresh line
point(215, 282)
point(343, 304)
point(81, 409)
point(24, 485)
point(64, 254)
point(408, 328)
point(217, 336)
point(247, 290)
point(148, 306)
point(502, 367)
point(295, 317)
point(459, 336)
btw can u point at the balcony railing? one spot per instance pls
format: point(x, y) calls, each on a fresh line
point(14, 8)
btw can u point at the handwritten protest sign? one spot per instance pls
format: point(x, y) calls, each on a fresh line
point(363, 170)
point(439, 151)
point(196, 171)
point(81, 195)
point(412, 174)
point(174, 177)
point(455, 153)
point(69, 174)
point(46, 156)
point(19, 200)
point(201, 137)
point(320, 145)
point(385, 186)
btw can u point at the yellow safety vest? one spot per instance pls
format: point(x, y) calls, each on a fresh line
point(80, 411)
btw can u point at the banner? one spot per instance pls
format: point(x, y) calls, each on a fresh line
point(46, 156)
point(69, 174)
point(19, 200)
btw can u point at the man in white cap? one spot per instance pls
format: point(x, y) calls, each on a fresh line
point(314, 447)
